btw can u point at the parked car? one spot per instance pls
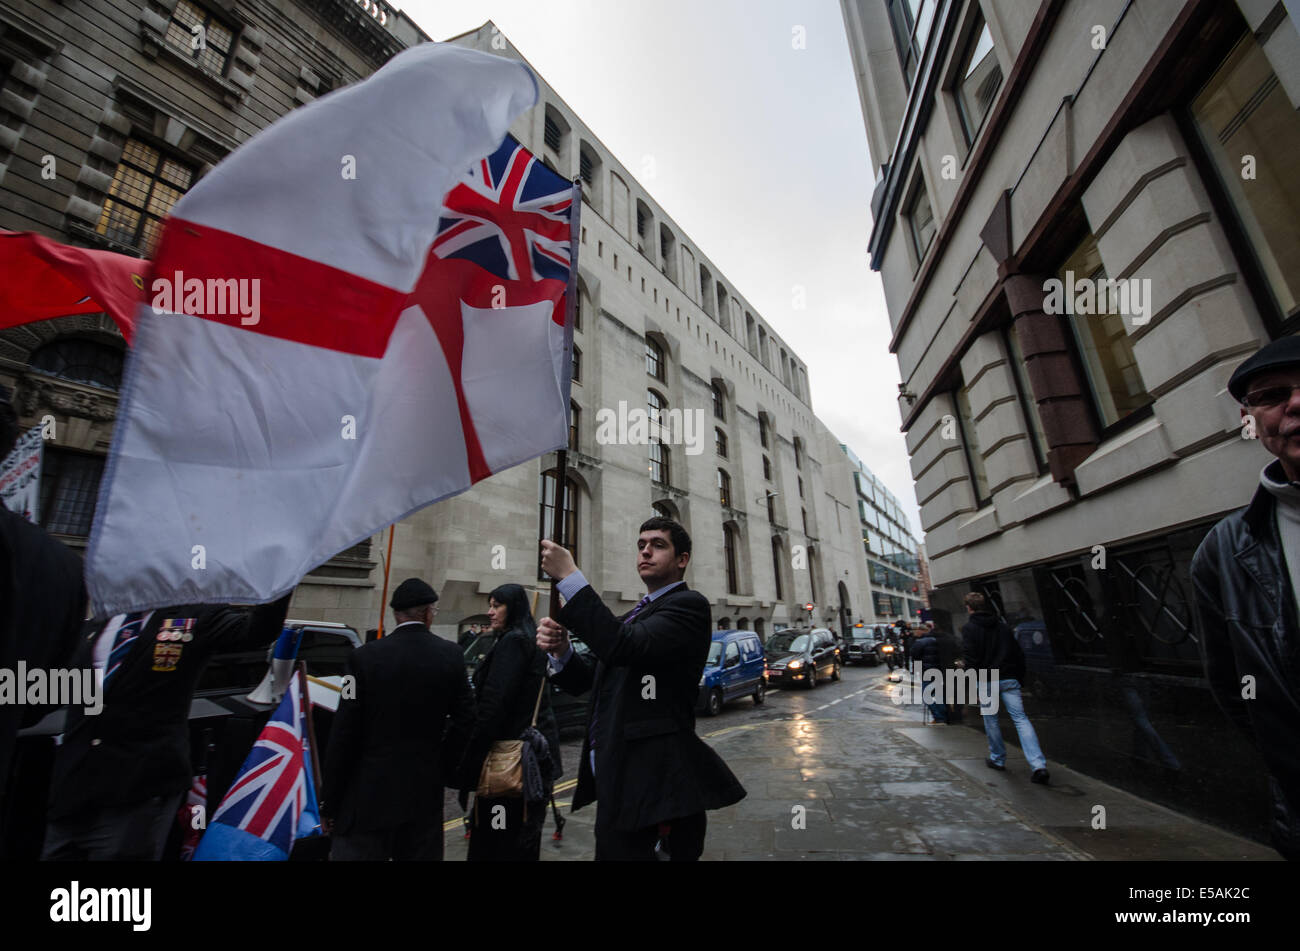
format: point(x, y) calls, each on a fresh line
point(801, 657)
point(735, 668)
point(570, 711)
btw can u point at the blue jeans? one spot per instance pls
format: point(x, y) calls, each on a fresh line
point(1009, 692)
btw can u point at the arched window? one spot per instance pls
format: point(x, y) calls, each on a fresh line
point(801, 487)
point(767, 469)
point(546, 514)
point(762, 432)
point(663, 511)
point(81, 361)
point(798, 453)
point(719, 402)
point(729, 547)
point(724, 487)
point(577, 364)
point(654, 359)
point(720, 442)
point(575, 415)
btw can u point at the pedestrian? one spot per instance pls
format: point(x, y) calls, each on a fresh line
point(387, 763)
point(119, 775)
point(990, 648)
point(467, 636)
point(511, 691)
point(1246, 573)
point(42, 603)
point(925, 651)
point(652, 778)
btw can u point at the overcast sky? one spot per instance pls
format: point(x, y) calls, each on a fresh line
point(760, 157)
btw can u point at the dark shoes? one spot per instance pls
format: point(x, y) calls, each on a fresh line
point(1040, 776)
point(992, 765)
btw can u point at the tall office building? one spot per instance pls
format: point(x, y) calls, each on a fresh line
point(1069, 457)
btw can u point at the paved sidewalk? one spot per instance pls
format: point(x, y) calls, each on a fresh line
point(842, 773)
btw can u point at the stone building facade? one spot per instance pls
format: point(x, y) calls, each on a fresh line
point(1069, 459)
point(110, 110)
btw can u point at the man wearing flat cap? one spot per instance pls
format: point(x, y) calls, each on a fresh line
point(1246, 574)
point(383, 785)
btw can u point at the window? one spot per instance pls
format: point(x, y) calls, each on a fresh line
point(640, 222)
point(586, 167)
point(663, 511)
point(583, 304)
point(1107, 355)
point(80, 361)
point(209, 45)
point(777, 558)
point(720, 442)
point(911, 20)
point(69, 488)
point(551, 134)
point(659, 457)
point(146, 184)
point(974, 461)
point(801, 487)
point(719, 403)
point(1244, 111)
point(803, 514)
point(798, 453)
point(771, 508)
point(577, 365)
point(546, 515)
point(767, 469)
point(724, 487)
point(1028, 405)
point(979, 82)
point(654, 359)
point(733, 587)
point(920, 219)
point(762, 432)
point(575, 414)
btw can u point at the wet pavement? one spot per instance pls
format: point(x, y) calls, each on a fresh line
point(841, 772)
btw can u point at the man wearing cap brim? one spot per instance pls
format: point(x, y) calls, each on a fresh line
point(1246, 574)
point(387, 761)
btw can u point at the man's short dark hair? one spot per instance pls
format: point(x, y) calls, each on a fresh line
point(977, 602)
point(8, 425)
point(676, 534)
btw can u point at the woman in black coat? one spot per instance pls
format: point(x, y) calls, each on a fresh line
point(506, 685)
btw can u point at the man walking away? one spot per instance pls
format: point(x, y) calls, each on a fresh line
point(990, 648)
point(387, 760)
point(925, 651)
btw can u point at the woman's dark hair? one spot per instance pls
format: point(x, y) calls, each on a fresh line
point(518, 612)
point(681, 541)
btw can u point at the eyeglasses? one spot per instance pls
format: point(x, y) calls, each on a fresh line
point(1269, 397)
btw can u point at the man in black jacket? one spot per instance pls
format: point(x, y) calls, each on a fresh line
point(1245, 575)
point(990, 648)
point(652, 777)
point(119, 775)
point(387, 764)
point(925, 652)
point(42, 603)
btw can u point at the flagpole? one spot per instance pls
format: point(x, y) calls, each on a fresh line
point(305, 694)
point(571, 308)
point(383, 598)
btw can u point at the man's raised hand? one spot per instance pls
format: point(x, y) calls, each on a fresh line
point(557, 561)
point(552, 638)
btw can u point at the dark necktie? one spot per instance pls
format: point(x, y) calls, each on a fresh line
point(122, 643)
point(595, 703)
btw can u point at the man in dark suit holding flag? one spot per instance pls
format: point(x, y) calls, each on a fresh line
point(642, 762)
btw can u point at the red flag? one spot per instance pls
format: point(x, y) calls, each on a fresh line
point(43, 279)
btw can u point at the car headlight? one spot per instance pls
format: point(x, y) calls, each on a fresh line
point(795, 664)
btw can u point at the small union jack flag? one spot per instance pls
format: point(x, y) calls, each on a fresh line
point(511, 216)
point(273, 799)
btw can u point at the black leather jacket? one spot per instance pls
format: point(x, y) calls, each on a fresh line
point(1248, 623)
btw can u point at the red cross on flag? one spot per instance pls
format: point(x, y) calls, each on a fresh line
point(309, 366)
